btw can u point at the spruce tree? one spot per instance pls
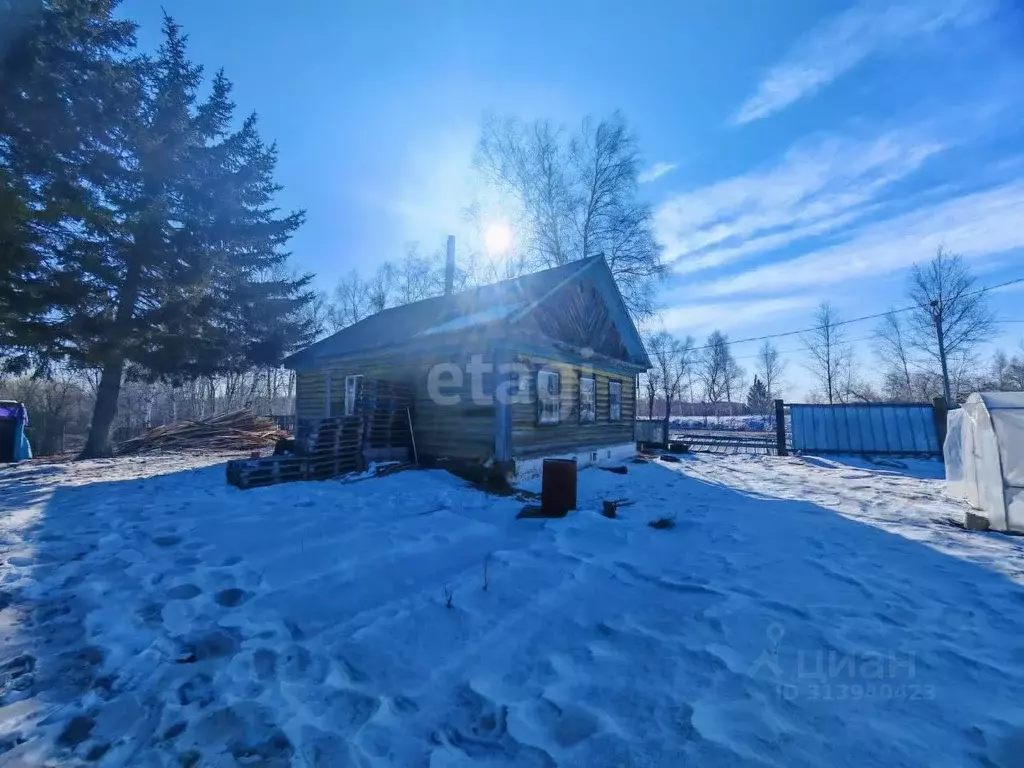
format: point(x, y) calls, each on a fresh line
point(138, 233)
point(192, 255)
point(757, 398)
point(65, 80)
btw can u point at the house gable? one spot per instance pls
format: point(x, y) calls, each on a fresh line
point(587, 312)
point(578, 315)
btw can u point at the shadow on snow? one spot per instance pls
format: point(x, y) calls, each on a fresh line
point(122, 629)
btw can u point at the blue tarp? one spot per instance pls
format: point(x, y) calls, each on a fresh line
point(19, 414)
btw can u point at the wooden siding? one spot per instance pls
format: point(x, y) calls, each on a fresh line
point(532, 439)
point(463, 430)
point(310, 395)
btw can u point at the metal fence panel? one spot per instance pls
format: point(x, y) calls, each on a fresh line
point(647, 431)
point(864, 428)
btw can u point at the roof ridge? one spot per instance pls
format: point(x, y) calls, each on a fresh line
point(523, 285)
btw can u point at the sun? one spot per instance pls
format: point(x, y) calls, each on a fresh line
point(497, 238)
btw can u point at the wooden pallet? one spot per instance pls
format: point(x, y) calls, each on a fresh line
point(335, 448)
point(271, 470)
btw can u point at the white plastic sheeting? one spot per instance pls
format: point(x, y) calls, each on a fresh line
point(990, 473)
point(953, 454)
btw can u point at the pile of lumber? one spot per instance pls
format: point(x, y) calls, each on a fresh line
point(235, 431)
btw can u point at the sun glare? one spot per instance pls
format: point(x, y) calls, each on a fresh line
point(497, 238)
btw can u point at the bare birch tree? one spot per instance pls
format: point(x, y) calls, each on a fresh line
point(417, 277)
point(770, 368)
point(380, 288)
point(892, 349)
point(828, 352)
point(950, 317)
point(1013, 377)
point(530, 163)
point(672, 359)
point(578, 197)
point(351, 301)
point(713, 367)
point(651, 385)
point(318, 314)
point(735, 381)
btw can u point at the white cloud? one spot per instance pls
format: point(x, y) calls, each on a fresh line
point(842, 42)
point(699, 319)
point(976, 225)
point(718, 256)
point(819, 186)
point(656, 171)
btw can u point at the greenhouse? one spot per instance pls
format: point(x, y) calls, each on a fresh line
point(984, 453)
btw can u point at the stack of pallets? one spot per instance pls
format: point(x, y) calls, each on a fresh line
point(335, 448)
point(385, 406)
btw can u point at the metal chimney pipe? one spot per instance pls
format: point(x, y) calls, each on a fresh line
point(449, 267)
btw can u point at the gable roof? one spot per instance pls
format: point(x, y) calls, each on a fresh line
point(463, 313)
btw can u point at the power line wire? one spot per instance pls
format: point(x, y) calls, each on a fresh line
point(855, 319)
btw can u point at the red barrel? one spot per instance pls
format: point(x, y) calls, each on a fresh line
point(558, 486)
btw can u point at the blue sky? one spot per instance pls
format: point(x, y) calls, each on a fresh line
point(797, 151)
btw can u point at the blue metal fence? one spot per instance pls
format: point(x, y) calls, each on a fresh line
point(868, 428)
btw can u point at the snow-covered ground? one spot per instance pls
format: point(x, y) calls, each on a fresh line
point(747, 423)
point(801, 612)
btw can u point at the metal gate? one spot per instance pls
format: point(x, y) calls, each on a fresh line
point(864, 428)
point(728, 441)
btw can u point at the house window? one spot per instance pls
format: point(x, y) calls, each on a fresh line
point(614, 400)
point(549, 402)
point(351, 394)
point(588, 400)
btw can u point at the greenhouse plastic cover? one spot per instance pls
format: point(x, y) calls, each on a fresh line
point(992, 453)
point(953, 455)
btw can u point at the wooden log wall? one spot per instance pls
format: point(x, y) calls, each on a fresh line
point(529, 438)
point(464, 430)
point(310, 395)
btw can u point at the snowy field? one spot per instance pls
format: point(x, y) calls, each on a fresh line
point(801, 612)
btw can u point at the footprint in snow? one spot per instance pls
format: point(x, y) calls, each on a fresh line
point(264, 662)
point(347, 710)
point(183, 592)
point(298, 664)
point(403, 705)
point(230, 598)
point(198, 690)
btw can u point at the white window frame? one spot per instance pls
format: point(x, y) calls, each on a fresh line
point(614, 401)
point(351, 393)
point(588, 410)
point(549, 405)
